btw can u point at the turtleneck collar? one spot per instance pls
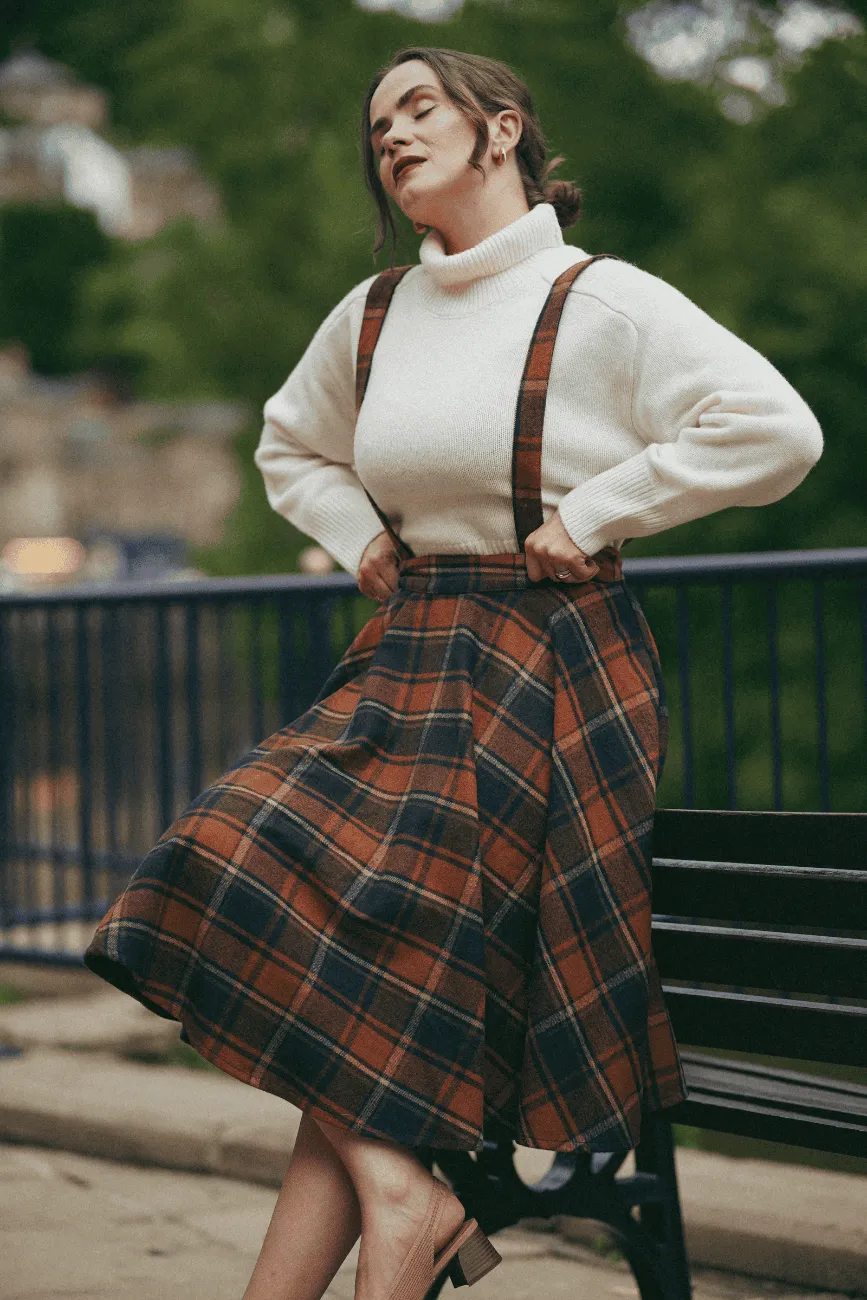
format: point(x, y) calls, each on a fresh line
point(533, 231)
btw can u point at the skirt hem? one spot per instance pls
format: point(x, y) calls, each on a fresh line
point(124, 979)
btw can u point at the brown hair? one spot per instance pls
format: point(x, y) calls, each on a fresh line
point(480, 87)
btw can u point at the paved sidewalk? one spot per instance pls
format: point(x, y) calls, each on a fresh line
point(72, 1090)
point(81, 1228)
point(809, 1229)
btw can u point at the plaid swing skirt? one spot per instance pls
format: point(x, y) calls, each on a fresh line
point(423, 906)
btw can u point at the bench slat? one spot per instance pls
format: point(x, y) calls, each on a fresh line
point(788, 1089)
point(747, 1119)
point(778, 895)
point(799, 839)
point(761, 959)
point(774, 1104)
point(772, 1026)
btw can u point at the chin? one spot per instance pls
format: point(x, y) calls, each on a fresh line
point(422, 212)
point(418, 217)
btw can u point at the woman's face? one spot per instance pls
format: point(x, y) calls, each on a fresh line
point(411, 117)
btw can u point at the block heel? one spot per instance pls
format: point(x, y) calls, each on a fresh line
point(465, 1258)
point(473, 1259)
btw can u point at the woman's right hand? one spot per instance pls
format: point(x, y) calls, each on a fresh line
point(377, 571)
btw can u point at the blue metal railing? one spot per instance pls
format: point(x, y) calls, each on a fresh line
point(119, 704)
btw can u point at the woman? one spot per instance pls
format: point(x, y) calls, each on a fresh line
point(423, 905)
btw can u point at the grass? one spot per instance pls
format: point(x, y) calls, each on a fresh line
point(603, 1245)
point(179, 1054)
point(9, 995)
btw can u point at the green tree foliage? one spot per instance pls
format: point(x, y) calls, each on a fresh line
point(45, 250)
point(757, 223)
point(771, 246)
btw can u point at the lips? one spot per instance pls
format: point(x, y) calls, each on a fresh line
point(401, 166)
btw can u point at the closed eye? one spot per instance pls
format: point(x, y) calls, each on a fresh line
point(415, 119)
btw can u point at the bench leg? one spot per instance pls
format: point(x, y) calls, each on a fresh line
point(586, 1187)
point(655, 1155)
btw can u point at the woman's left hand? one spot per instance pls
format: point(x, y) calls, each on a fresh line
point(550, 551)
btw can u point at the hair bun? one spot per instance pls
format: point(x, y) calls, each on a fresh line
point(565, 198)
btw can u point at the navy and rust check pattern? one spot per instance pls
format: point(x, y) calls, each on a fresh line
point(424, 904)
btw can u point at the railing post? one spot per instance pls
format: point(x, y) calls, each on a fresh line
point(729, 695)
point(774, 685)
point(862, 610)
point(194, 702)
point(115, 739)
point(53, 697)
point(683, 667)
point(257, 703)
point(286, 660)
point(163, 719)
point(84, 756)
point(821, 695)
point(7, 776)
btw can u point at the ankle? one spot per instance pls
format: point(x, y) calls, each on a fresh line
point(399, 1185)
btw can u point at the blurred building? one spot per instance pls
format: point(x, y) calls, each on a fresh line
point(80, 466)
point(60, 150)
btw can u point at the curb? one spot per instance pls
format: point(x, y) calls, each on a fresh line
point(94, 1104)
point(746, 1216)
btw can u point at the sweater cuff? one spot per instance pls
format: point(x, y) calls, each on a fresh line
point(344, 524)
point(618, 503)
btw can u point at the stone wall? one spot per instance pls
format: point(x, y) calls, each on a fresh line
point(73, 458)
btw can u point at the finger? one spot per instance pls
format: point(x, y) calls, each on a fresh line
point(385, 563)
point(371, 549)
point(576, 569)
point(585, 566)
point(387, 573)
point(378, 592)
point(535, 571)
point(370, 584)
point(579, 573)
point(550, 567)
point(384, 579)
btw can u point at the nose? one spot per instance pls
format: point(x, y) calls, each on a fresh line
point(394, 136)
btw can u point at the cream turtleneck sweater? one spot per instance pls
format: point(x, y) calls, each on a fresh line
point(656, 413)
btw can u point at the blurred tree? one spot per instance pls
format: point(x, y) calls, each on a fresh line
point(44, 251)
point(756, 222)
point(92, 38)
point(772, 247)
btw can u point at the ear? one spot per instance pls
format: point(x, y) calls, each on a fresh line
point(507, 128)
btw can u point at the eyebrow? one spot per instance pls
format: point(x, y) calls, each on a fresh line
point(404, 99)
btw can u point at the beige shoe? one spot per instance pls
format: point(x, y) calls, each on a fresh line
point(467, 1257)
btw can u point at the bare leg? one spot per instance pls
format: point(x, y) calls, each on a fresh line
point(393, 1188)
point(315, 1224)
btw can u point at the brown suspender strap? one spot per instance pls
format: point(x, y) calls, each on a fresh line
point(530, 411)
point(378, 299)
point(532, 395)
point(376, 305)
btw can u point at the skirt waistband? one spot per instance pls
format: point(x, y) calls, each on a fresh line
point(445, 573)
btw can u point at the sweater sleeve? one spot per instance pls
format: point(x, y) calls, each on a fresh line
point(305, 451)
point(721, 427)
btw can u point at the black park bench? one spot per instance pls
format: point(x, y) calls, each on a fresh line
point(760, 936)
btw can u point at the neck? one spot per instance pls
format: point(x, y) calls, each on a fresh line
point(500, 252)
point(468, 225)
